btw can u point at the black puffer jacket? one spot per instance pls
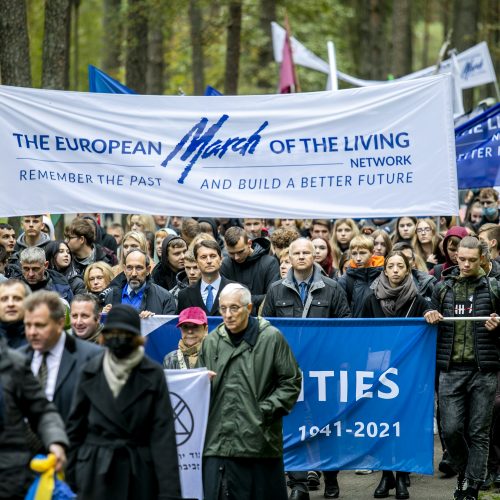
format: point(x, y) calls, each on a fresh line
point(495, 269)
point(325, 299)
point(356, 283)
point(259, 271)
point(486, 300)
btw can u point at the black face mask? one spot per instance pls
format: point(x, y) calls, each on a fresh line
point(121, 347)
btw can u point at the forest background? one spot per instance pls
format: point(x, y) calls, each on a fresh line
point(174, 46)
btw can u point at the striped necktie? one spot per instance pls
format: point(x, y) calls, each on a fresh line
point(43, 372)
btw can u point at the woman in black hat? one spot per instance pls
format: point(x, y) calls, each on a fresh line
point(121, 427)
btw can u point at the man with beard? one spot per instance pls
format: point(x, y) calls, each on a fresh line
point(139, 291)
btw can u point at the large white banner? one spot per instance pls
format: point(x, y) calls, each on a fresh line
point(190, 397)
point(374, 152)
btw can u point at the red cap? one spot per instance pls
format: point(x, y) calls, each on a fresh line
point(195, 315)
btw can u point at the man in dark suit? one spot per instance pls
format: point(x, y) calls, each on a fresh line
point(205, 293)
point(55, 357)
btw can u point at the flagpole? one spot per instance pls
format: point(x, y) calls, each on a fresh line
point(332, 61)
point(289, 34)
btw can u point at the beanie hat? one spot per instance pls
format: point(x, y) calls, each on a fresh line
point(123, 317)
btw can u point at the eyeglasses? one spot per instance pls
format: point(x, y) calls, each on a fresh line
point(233, 309)
point(71, 237)
point(423, 230)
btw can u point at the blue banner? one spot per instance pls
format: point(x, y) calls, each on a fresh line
point(478, 150)
point(368, 395)
point(367, 400)
point(104, 84)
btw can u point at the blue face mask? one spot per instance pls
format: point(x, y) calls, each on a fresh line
point(489, 211)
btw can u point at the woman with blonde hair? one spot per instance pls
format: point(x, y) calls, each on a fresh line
point(343, 232)
point(141, 223)
point(97, 277)
point(132, 240)
point(426, 243)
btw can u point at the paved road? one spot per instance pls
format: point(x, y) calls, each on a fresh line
point(354, 487)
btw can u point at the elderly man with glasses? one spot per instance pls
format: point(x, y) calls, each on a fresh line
point(257, 382)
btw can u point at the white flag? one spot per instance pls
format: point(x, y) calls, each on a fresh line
point(190, 397)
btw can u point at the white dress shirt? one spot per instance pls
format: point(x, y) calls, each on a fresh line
point(215, 289)
point(53, 362)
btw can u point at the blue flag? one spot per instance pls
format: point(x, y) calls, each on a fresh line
point(367, 399)
point(211, 91)
point(104, 84)
point(478, 150)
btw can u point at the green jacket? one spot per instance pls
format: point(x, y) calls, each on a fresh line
point(257, 383)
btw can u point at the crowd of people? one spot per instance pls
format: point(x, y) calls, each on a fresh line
point(85, 390)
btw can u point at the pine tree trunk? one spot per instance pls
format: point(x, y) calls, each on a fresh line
point(265, 56)
point(137, 46)
point(156, 65)
point(196, 25)
point(14, 44)
point(401, 38)
point(427, 35)
point(490, 16)
point(75, 58)
point(465, 22)
point(373, 46)
point(233, 43)
point(112, 36)
point(55, 56)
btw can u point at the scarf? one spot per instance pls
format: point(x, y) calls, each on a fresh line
point(374, 261)
point(191, 353)
point(117, 371)
point(393, 299)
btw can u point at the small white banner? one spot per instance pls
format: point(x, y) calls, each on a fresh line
point(379, 151)
point(475, 67)
point(190, 397)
